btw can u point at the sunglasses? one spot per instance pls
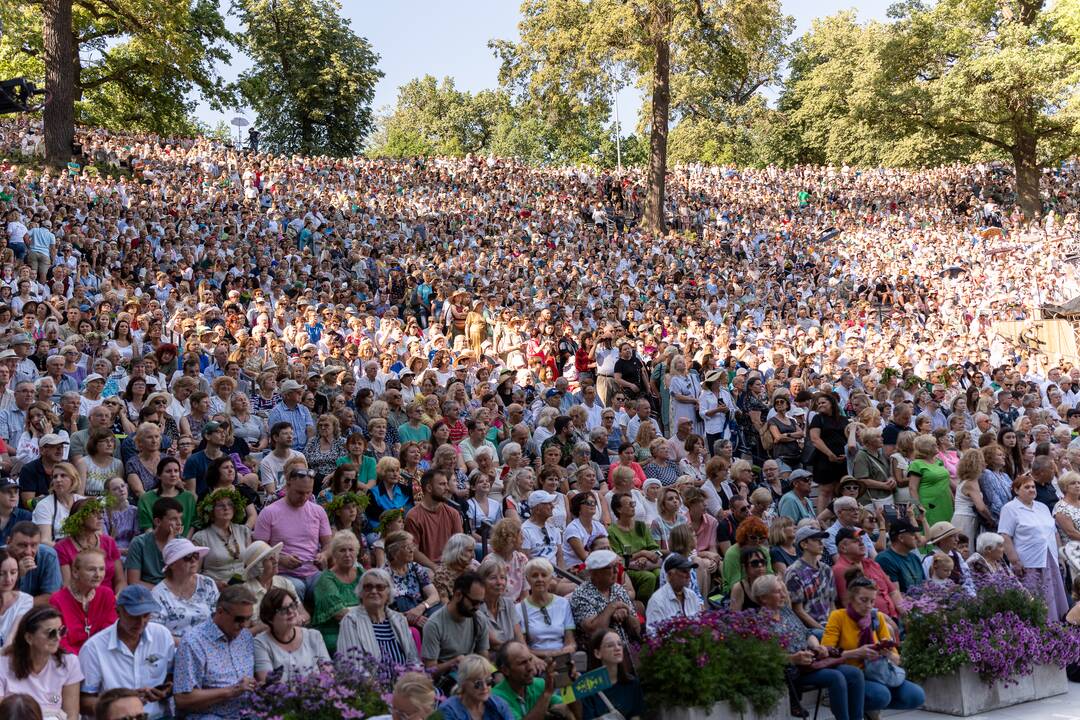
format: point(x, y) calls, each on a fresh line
point(756, 563)
point(480, 684)
point(56, 633)
point(302, 474)
point(243, 619)
point(193, 557)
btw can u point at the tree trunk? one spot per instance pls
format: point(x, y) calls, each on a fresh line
point(658, 131)
point(59, 81)
point(1026, 166)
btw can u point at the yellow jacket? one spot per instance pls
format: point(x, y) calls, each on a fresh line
point(842, 632)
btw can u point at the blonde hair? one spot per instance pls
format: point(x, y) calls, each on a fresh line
point(418, 689)
point(926, 446)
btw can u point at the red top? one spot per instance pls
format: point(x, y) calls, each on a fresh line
point(66, 551)
point(80, 626)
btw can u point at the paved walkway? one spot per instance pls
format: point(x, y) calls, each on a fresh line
point(1060, 707)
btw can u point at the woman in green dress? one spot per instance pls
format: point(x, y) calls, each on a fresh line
point(928, 481)
point(633, 541)
point(335, 590)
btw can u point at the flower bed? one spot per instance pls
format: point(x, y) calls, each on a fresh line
point(352, 688)
point(988, 650)
point(1001, 632)
point(732, 658)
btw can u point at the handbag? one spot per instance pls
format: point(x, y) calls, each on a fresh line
point(612, 713)
point(882, 670)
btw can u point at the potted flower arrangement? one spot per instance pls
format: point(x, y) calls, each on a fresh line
point(355, 686)
point(974, 653)
point(718, 665)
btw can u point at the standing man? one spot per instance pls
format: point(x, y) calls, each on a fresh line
point(290, 410)
point(215, 663)
point(300, 525)
point(432, 521)
point(605, 355)
point(41, 244)
point(131, 653)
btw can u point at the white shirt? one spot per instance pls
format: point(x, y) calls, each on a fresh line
point(107, 663)
point(663, 605)
point(1032, 529)
point(535, 545)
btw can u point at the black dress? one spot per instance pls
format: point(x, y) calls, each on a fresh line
point(834, 435)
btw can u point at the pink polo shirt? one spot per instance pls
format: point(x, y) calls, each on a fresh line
point(298, 528)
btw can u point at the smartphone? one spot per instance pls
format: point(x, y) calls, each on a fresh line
point(890, 513)
point(563, 664)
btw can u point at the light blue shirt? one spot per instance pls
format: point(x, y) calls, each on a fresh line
point(108, 663)
point(206, 659)
point(40, 240)
point(300, 419)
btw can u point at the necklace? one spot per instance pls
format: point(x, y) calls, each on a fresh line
point(284, 642)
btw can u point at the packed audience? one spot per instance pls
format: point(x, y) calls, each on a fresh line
point(260, 411)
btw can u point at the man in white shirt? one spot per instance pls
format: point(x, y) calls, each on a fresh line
point(132, 653)
point(675, 598)
point(593, 406)
point(272, 466)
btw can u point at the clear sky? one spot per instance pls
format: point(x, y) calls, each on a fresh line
point(443, 38)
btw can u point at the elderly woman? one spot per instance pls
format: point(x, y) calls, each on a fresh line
point(662, 466)
point(387, 494)
point(414, 593)
point(225, 535)
point(929, 482)
point(286, 646)
point(631, 539)
point(249, 427)
point(35, 664)
point(969, 508)
point(989, 557)
point(187, 598)
point(472, 699)
point(752, 532)
point(260, 576)
point(500, 611)
point(83, 529)
point(141, 468)
point(872, 467)
point(374, 628)
point(1031, 545)
point(1067, 517)
point(335, 590)
point(862, 634)
point(458, 557)
point(506, 544)
point(545, 618)
point(87, 605)
point(844, 682)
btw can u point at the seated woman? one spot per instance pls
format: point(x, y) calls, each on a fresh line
point(585, 527)
point(373, 628)
point(86, 604)
point(83, 530)
point(752, 533)
point(862, 634)
point(224, 535)
point(414, 593)
point(170, 483)
point(187, 598)
point(632, 540)
point(545, 618)
point(221, 474)
point(844, 682)
point(34, 664)
point(499, 610)
point(753, 564)
point(13, 602)
point(624, 696)
point(458, 556)
point(286, 645)
point(472, 698)
point(260, 577)
point(335, 590)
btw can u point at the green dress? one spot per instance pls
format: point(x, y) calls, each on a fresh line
point(627, 543)
point(935, 493)
point(331, 597)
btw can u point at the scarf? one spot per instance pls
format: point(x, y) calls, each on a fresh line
point(866, 625)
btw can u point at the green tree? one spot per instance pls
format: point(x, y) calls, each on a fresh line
point(313, 78)
point(137, 64)
point(572, 52)
point(1003, 74)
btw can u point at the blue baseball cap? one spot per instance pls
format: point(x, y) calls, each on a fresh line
point(552, 393)
point(137, 600)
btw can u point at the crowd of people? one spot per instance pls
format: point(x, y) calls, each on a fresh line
point(259, 411)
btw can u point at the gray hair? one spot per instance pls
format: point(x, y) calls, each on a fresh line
point(485, 450)
point(491, 565)
point(763, 586)
point(511, 447)
point(456, 545)
point(988, 541)
point(377, 574)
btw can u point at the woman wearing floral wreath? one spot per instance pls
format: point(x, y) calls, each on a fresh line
point(225, 537)
point(84, 531)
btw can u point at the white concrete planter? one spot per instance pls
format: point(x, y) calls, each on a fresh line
point(963, 693)
point(723, 711)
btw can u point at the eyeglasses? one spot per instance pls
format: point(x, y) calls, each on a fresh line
point(56, 633)
point(193, 557)
point(286, 609)
point(379, 587)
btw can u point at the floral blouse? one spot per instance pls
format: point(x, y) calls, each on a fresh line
point(182, 614)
